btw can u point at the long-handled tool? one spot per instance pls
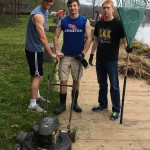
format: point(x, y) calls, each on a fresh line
point(131, 13)
point(50, 78)
point(124, 88)
point(72, 132)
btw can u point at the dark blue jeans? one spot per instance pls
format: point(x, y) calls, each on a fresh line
point(104, 70)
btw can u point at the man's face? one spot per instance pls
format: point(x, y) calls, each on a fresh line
point(73, 8)
point(46, 4)
point(107, 10)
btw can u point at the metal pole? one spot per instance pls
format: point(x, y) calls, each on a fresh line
point(124, 89)
point(74, 91)
point(48, 88)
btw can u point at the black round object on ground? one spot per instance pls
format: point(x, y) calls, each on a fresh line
point(63, 143)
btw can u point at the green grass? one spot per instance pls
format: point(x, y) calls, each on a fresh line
point(15, 82)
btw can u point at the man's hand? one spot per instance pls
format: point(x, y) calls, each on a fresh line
point(80, 56)
point(91, 59)
point(60, 54)
point(54, 56)
point(129, 49)
point(84, 63)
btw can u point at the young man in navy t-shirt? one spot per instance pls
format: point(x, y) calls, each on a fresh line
point(74, 28)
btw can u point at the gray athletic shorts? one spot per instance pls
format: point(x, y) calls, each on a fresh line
point(68, 64)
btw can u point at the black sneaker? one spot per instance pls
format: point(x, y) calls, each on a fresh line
point(91, 64)
point(98, 108)
point(60, 109)
point(77, 108)
point(114, 116)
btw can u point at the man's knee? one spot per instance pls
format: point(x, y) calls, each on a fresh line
point(63, 89)
point(37, 78)
point(76, 84)
point(64, 82)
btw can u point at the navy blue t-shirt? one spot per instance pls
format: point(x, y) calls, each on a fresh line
point(73, 35)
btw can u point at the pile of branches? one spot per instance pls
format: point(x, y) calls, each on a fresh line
point(138, 66)
point(141, 49)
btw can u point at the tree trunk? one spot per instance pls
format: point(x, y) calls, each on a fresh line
point(1, 7)
point(93, 9)
point(12, 8)
point(15, 8)
point(18, 8)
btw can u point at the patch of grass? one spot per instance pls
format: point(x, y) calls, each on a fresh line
point(6, 20)
point(15, 83)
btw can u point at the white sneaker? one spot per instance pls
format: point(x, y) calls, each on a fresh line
point(36, 108)
point(42, 99)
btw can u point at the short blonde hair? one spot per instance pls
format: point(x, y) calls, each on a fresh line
point(108, 2)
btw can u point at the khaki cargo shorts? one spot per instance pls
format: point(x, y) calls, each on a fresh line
point(68, 64)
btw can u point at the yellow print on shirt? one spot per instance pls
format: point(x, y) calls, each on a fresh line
point(104, 35)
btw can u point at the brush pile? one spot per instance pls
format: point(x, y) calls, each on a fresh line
point(138, 64)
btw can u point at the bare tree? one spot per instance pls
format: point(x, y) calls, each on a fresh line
point(148, 3)
point(94, 3)
point(118, 2)
point(15, 8)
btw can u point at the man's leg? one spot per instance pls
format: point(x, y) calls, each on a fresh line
point(64, 70)
point(35, 62)
point(77, 73)
point(103, 86)
point(114, 85)
point(75, 93)
point(114, 88)
point(35, 83)
point(63, 97)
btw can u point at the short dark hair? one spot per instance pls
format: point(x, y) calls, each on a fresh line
point(71, 1)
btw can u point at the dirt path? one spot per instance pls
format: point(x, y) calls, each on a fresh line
point(96, 131)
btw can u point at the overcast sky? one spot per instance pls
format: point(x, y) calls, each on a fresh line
point(89, 2)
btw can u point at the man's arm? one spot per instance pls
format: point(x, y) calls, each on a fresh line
point(94, 47)
point(127, 47)
point(95, 44)
point(124, 41)
point(38, 21)
point(56, 39)
point(89, 37)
